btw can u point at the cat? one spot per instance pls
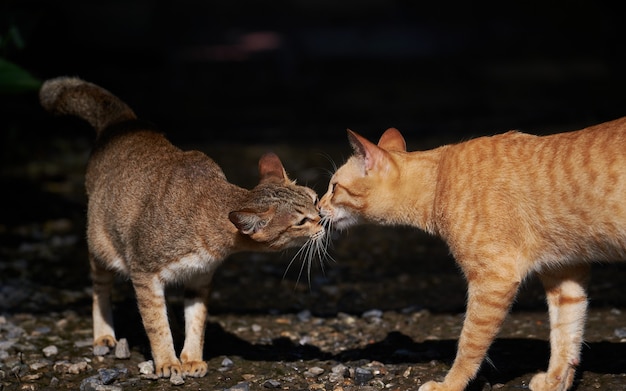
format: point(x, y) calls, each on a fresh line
point(162, 216)
point(507, 206)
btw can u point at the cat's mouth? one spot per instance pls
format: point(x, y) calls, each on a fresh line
point(338, 220)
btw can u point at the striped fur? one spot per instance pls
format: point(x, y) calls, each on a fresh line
point(507, 205)
point(160, 216)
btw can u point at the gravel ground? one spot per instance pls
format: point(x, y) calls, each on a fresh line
point(384, 314)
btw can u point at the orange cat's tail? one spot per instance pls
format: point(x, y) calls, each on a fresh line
point(94, 104)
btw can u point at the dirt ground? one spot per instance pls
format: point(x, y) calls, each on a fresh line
point(384, 314)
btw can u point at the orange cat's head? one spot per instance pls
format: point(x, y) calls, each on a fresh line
point(366, 186)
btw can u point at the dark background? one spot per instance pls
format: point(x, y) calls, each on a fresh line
point(305, 70)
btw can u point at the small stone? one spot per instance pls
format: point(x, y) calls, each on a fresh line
point(372, 314)
point(340, 369)
point(362, 376)
point(304, 316)
point(271, 383)
point(83, 343)
point(91, 383)
point(50, 351)
point(54, 382)
point(620, 332)
point(33, 377)
point(101, 350)
point(227, 362)
point(122, 351)
point(239, 387)
point(37, 365)
point(77, 368)
point(146, 367)
point(335, 377)
point(108, 376)
point(177, 379)
point(256, 328)
point(316, 370)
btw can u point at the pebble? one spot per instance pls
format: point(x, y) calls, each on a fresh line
point(122, 351)
point(109, 375)
point(50, 350)
point(146, 367)
point(227, 362)
point(94, 383)
point(239, 387)
point(316, 370)
point(83, 343)
point(304, 316)
point(71, 368)
point(271, 383)
point(101, 350)
point(40, 364)
point(371, 314)
point(177, 379)
point(362, 376)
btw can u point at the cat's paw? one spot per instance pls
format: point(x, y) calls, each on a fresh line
point(543, 382)
point(195, 368)
point(168, 369)
point(432, 386)
point(102, 345)
point(105, 340)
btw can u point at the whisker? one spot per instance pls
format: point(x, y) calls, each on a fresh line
point(315, 246)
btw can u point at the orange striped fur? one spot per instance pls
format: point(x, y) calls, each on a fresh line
point(507, 205)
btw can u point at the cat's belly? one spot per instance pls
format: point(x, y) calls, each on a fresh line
point(189, 266)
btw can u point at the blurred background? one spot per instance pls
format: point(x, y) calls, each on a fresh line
point(235, 78)
point(305, 70)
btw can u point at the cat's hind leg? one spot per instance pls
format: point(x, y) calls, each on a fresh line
point(490, 294)
point(102, 313)
point(150, 292)
point(567, 306)
point(196, 299)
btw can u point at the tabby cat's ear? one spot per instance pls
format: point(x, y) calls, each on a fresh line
point(392, 140)
point(271, 169)
point(373, 155)
point(248, 221)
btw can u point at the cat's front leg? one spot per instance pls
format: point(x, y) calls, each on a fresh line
point(150, 293)
point(490, 294)
point(567, 307)
point(102, 314)
point(196, 299)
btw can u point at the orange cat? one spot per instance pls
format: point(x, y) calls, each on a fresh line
point(507, 206)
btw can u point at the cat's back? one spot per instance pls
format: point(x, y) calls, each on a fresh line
point(136, 157)
point(520, 155)
point(516, 186)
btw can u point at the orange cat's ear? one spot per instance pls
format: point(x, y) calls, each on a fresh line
point(271, 169)
point(372, 154)
point(248, 221)
point(392, 140)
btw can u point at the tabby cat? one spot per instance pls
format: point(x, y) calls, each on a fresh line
point(160, 216)
point(507, 206)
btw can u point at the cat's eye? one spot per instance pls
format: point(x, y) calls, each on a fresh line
point(303, 221)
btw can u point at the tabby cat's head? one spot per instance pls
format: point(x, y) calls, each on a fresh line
point(278, 213)
point(363, 188)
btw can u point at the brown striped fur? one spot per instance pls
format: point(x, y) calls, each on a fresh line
point(508, 206)
point(160, 216)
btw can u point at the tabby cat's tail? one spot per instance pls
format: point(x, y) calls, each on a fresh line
point(73, 96)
